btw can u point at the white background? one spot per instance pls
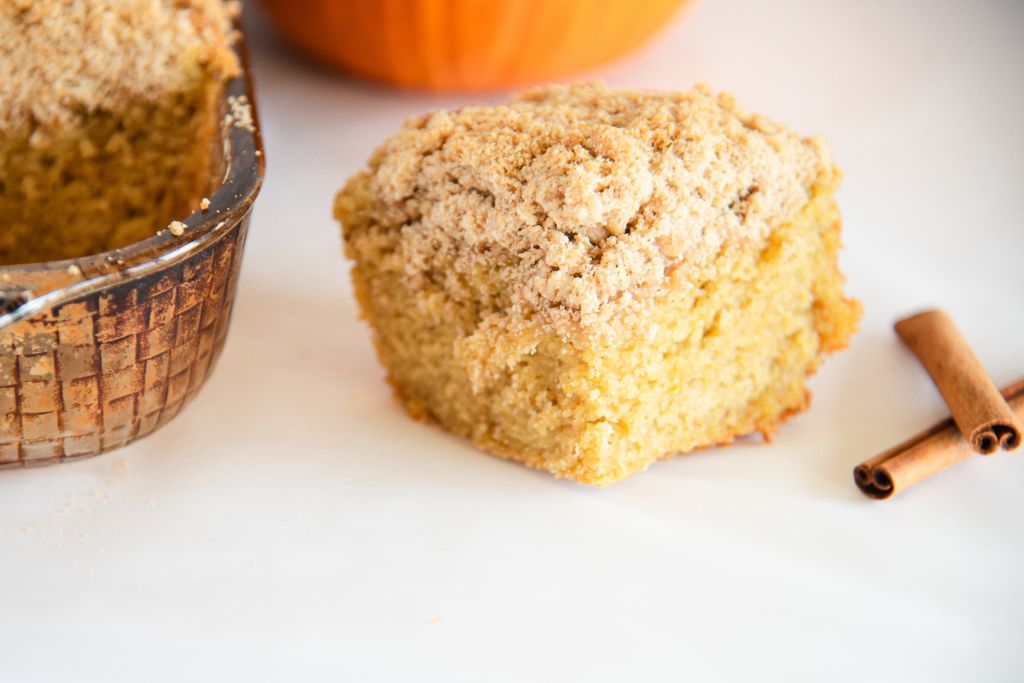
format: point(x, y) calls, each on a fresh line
point(293, 524)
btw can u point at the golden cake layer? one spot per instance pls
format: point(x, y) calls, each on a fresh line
point(108, 110)
point(587, 280)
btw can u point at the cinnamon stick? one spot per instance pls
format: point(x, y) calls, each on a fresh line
point(921, 456)
point(983, 416)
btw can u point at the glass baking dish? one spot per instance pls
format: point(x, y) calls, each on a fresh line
point(99, 351)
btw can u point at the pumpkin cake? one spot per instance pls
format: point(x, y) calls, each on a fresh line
point(587, 280)
point(108, 110)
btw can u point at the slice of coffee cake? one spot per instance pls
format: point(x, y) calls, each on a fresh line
point(587, 280)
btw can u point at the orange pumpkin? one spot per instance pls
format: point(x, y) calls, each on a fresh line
point(468, 44)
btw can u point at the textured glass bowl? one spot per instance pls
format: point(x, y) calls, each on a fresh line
point(96, 352)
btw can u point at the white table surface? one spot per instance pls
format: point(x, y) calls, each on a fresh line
point(293, 524)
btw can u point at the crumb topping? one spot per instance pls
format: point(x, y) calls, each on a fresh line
point(240, 114)
point(177, 228)
point(580, 199)
point(62, 58)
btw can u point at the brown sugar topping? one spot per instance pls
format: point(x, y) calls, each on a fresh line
point(61, 58)
point(583, 199)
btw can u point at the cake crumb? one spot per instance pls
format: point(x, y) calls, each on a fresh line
point(241, 112)
point(74, 270)
point(177, 228)
point(204, 204)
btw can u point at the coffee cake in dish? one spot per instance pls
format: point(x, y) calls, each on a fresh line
point(587, 280)
point(108, 109)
